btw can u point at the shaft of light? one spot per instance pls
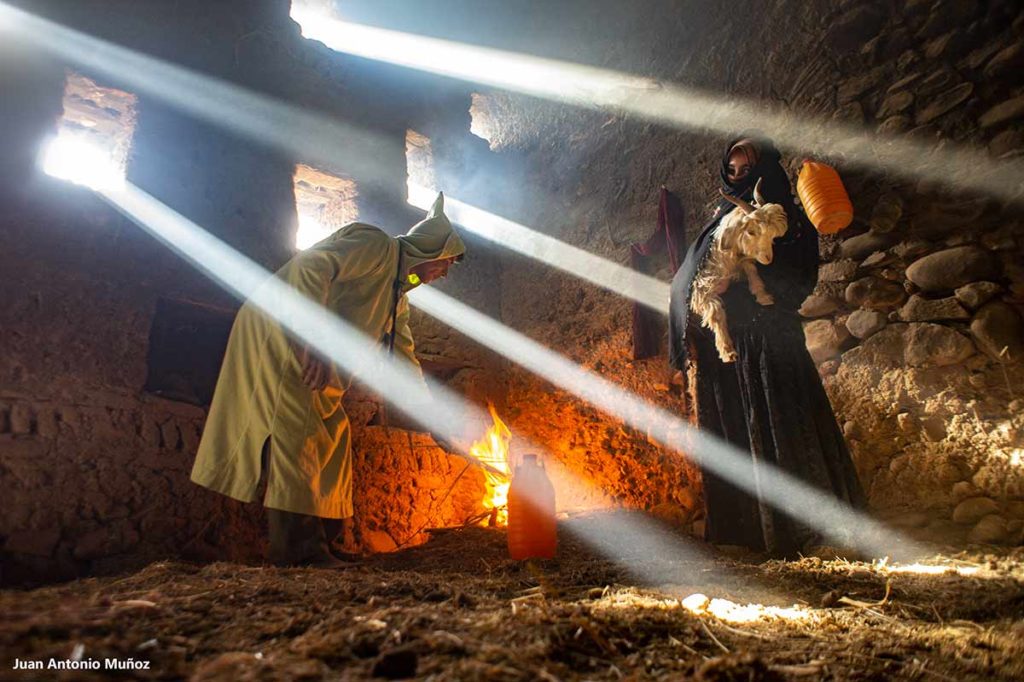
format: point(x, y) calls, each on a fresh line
point(331, 336)
point(350, 349)
point(674, 105)
point(834, 519)
point(314, 138)
point(634, 285)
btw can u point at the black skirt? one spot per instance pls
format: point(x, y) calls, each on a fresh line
point(769, 404)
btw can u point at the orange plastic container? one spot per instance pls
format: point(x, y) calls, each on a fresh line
point(532, 532)
point(824, 198)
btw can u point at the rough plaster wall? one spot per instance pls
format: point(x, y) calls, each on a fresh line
point(930, 427)
point(98, 470)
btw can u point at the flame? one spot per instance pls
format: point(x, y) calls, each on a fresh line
point(493, 449)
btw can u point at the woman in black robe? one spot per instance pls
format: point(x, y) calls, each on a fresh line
point(769, 403)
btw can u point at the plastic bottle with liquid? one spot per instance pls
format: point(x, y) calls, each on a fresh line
point(532, 531)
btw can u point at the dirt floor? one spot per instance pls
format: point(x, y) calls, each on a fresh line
point(458, 609)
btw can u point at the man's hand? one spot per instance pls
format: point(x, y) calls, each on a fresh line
point(315, 372)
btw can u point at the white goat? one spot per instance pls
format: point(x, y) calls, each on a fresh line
point(743, 236)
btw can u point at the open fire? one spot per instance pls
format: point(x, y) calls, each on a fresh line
point(493, 450)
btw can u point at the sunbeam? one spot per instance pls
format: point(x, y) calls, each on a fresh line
point(833, 519)
point(604, 273)
point(670, 104)
point(312, 137)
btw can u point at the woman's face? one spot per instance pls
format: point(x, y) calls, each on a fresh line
point(739, 164)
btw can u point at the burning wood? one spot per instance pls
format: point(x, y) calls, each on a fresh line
point(493, 451)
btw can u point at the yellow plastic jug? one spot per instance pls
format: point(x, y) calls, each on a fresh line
point(824, 198)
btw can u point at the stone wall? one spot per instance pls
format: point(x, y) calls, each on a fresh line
point(915, 300)
point(94, 469)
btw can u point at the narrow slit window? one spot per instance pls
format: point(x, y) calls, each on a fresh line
point(324, 202)
point(94, 135)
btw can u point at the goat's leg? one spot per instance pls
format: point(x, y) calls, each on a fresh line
point(756, 284)
point(717, 322)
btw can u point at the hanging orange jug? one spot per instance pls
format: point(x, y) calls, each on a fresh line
point(531, 512)
point(824, 198)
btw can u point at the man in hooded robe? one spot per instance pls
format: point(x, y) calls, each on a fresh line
point(770, 402)
point(274, 395)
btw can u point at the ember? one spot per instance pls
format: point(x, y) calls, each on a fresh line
point(493, 450)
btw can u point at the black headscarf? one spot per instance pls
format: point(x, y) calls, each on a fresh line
point(794, 270)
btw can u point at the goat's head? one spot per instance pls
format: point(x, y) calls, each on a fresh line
point(753, 227)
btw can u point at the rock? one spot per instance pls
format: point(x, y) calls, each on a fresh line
point(887, 212)
point(1015, 531)
point(911, 249)
point(895, 103)
point(36, 542)
point(864, 323)
point(884, 348)
point(934, 429)
point(1015, 509)
point(935, 48)
point(973, 509)
point(920, 309)
point(935, 345)
point(952, 268)
point(853, 28)
point(377, 542)
point(946, 16)
point(1006, 142)
point(828, 368)
point(863, 245)
point(1005, 111)
point(940, 219)
point(937, 81)
point(876, 259)
point(837, 271)
point(874, 294)
point(851, 112)
point(979, 56)
point(962, 490)
point(904, 82)
point(998, 330)
point(906, 423)
point(852, 88)
point(943, 102)
point(893, 125)
point(396, 664)
point(825, 339)
point(976, 294)
point(1002, 239)
point(850, 429)
point(991, 530)
point(1009, 61)
point(817, 306)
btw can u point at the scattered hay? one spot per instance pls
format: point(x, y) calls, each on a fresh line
point(457, 609)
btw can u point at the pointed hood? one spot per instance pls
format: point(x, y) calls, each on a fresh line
point(433, 238)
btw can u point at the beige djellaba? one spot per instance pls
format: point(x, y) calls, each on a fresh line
point(260, 394)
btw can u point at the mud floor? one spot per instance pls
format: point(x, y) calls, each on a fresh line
point(457, 609)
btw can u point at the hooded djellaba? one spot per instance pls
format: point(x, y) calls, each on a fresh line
point(362, 275)
point(770, 403)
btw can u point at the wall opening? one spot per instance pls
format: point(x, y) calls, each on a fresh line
point(324, 203)
point(186, 348)
point(419, 163)
point(481, 122)
point(94, 135)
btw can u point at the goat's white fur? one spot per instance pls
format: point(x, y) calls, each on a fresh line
point(743, 236)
